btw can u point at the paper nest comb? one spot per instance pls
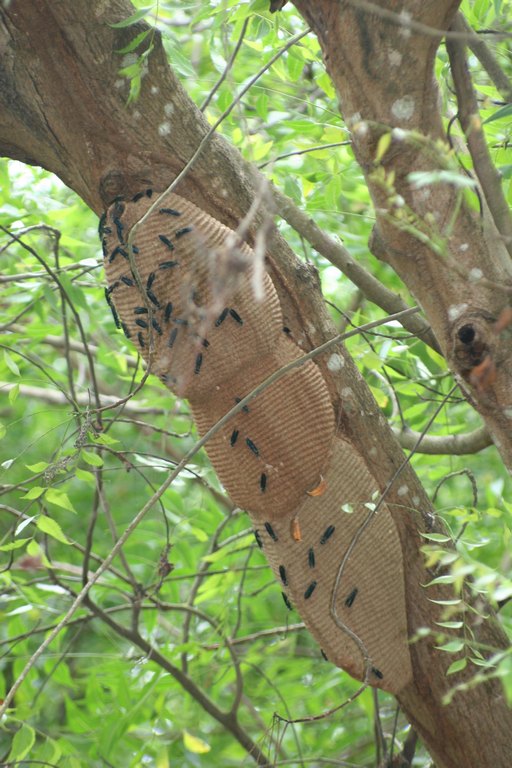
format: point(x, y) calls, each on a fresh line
point(346, 583)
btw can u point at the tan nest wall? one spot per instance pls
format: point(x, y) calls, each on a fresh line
point(190, 309)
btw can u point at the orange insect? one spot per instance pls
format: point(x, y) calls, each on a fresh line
point(320, 489)
point(295, 528)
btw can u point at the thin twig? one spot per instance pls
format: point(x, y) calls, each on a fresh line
point(228, 66)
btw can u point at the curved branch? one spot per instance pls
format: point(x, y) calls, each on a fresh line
point(454, 445)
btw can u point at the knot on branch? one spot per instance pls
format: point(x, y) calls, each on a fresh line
point(474, 339)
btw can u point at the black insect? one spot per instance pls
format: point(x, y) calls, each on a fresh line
point(234, 314)
point(258, 538)
point(170, 211)
point(114, 314)
point(150, 280)
point(127, 281)
point(245, 408)
point(311, 557)
point(149, 193)
point(327, 534)
point(137, 197)
point(183, 231)
point(351, 597)
point(270, 531)
point(282, 575)
point(288, 332)
point(141, 323)
point(377, 673)
point(172, 337)
point(126, 330)
point(155, 325)
point(205, 343)
point(140, 311)
point(286, 601)
point(309, 591)
point(234, 437)
point(252, 446)
point(199, 362)
point(140, 339)
point(135, 249)
point(167, 264)
point(165, 240)
point(101, 225)
point(263, 482)
point(221, 317)
point(117, 250)
point(119, 228)
point(151, 296)
point(168, 311)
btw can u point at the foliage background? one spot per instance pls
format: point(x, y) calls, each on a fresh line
point(95, 699)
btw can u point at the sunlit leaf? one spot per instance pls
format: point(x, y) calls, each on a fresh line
point(52, 528)
point(195, 744)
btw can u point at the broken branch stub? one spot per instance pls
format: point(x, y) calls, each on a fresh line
point(307, 490)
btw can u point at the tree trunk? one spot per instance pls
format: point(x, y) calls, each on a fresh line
point(63, 109)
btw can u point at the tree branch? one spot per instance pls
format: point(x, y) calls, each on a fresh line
point(470, 121)
point(486, 59)
point(454, 445)
point(338, 255)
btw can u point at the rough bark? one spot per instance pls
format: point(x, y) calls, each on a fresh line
point(63, 108)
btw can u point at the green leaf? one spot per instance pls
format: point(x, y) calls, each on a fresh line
point(59, 498)
point(457, 666)
point(133, 19)
point(452, 646)
point(11, 364)
point(40, 466)
point(83, 474)
point(13, 393)
point(195, 744)
point(383, 146)
point(439, 537)
point(502, 112)
point(135, 42)
point(91, 458)
point(104, 439)
point(13, 545)
point(35, 492)
point(52, 528)
point(22, 743)
point(3, 430)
